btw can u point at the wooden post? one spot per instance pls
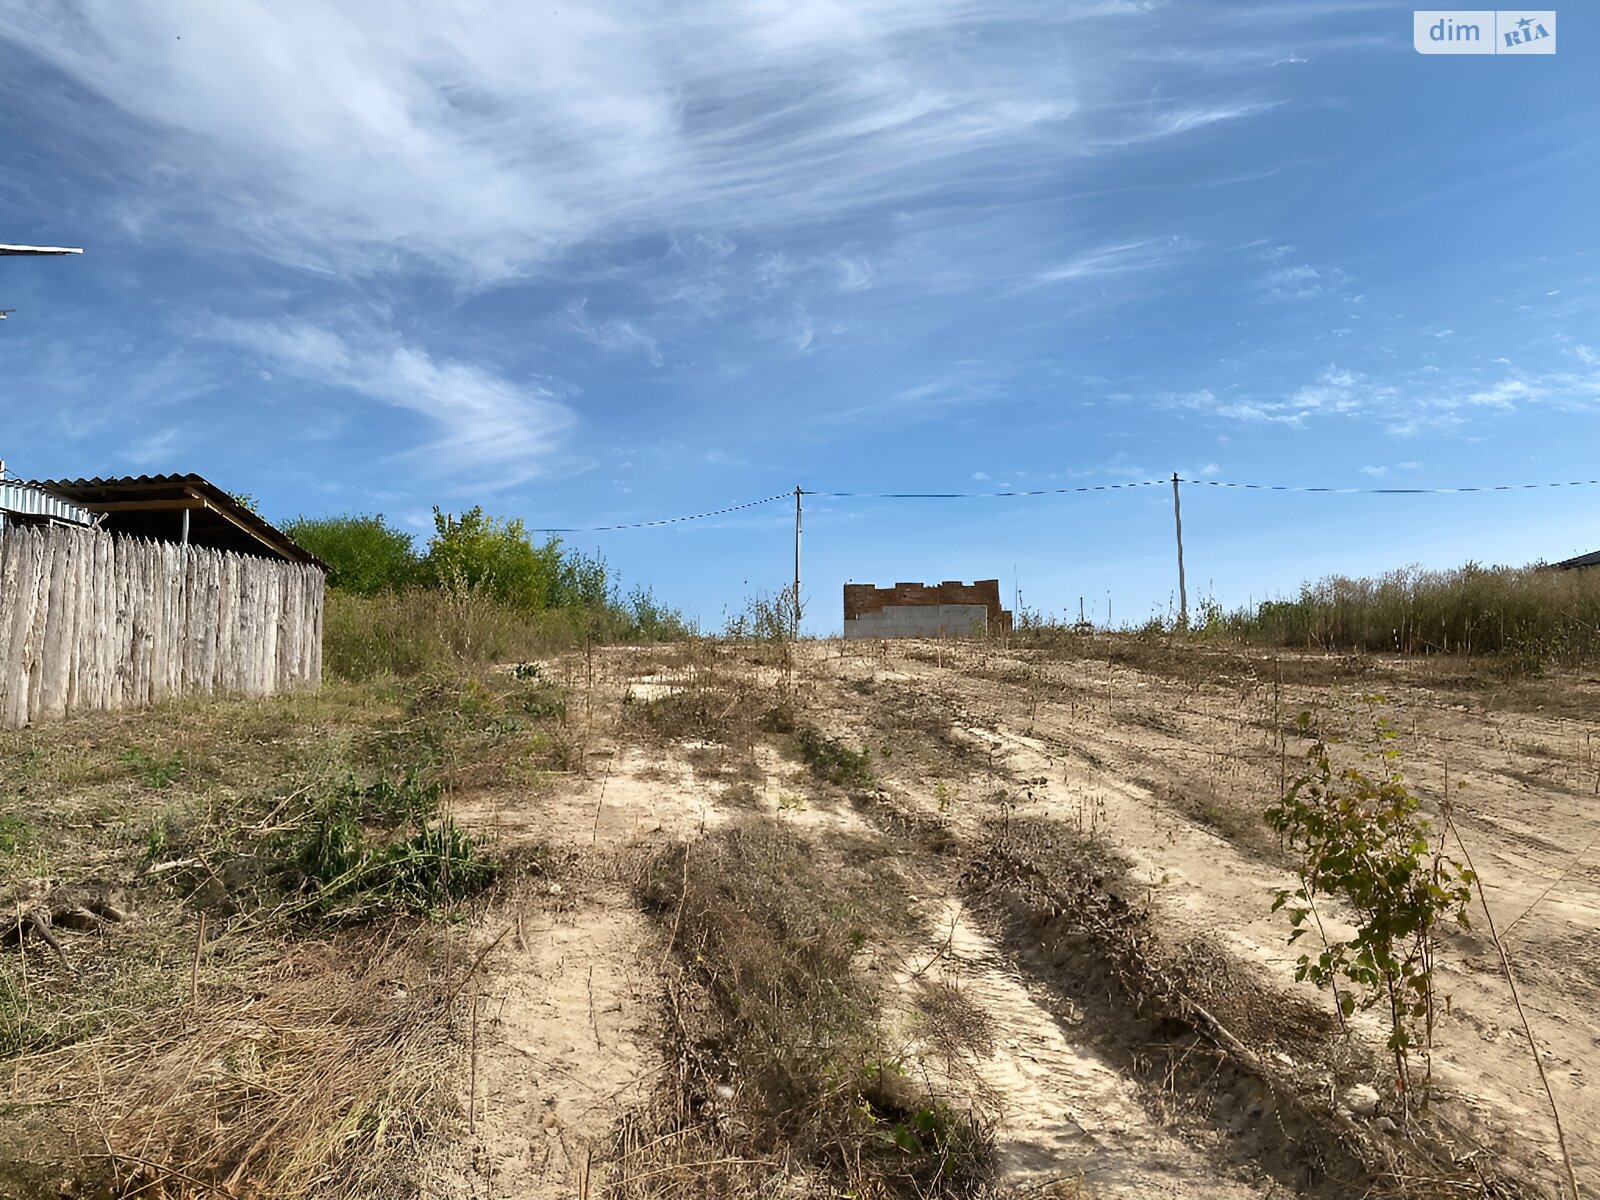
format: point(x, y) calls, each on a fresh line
point(797, 495)
point(1183, 590)
point(185, 541)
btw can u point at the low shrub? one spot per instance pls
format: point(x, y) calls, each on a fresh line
point(833, 761)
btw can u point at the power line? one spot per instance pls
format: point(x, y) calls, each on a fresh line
point(664, 521)
point(1086, 488)
point(1446, 491)
point(1098, 487)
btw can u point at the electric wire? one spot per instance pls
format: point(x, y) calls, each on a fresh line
point(1391, 491)
point(1097, 487)
point(1085, 488)
point(663, 521)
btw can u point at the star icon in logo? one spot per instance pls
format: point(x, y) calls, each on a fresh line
point(1524, 23)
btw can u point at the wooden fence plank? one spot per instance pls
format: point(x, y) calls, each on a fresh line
point(89, 620)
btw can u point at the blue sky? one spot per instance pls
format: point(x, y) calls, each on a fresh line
point(609, 263)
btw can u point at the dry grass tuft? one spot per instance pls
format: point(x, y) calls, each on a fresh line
point(787, 1061)
point(290, 1057)
point(320, 1074)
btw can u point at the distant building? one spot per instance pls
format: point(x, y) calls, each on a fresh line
point(949, 609)
point(1583, 560)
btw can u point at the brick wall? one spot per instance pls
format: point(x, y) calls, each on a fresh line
point(863, 598)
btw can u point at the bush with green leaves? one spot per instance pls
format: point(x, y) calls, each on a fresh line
point(472, 550)
point(1361, 839)
point(482, 590)
point(365, 554)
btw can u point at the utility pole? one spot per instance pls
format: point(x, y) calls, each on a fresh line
point(1183, 590)
point(797, 495)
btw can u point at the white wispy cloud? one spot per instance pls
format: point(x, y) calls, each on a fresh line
point(1302, 282)
point(615, 334)
point(1406, 403)
point(779, 169)
point(479, 420)
point(487, 140)
point(154, 451)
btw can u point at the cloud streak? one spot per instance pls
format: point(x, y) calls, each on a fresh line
point(1407, 403)
point(479, 420)
point(488, 145)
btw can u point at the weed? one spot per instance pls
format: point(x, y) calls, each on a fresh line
point(545, 704)
point(742, 793)
point(1527, 616)
point(763, 619)
point(16, 835)
point(351, 877)
point(778, 719)
point(433, 868)
point(154, 773)
point(833, 761)
point(408, 801)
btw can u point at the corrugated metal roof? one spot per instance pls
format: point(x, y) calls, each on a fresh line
point(22, 497)
point(216, 518)
point(1583, 560)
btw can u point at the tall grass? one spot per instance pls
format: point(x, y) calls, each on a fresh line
point(417, 631)
point(1533, 615)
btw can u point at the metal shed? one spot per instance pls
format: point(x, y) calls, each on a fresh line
point(187, 509)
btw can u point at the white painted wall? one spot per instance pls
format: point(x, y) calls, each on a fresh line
point(920, 620)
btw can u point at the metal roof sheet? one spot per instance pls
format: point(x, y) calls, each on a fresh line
point(22, 497)
point(216, 516)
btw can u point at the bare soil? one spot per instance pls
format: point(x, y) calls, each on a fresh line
point(1128, 1026)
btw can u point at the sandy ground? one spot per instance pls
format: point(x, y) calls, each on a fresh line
point(1171, 766)
point(1058, 1104)
point(568, 1018)
point(1131, 749)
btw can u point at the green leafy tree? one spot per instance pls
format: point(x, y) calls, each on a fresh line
point(494, 554)
point(582, 581)
point(365, 554)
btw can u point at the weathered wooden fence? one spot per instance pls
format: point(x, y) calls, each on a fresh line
point(89, 620)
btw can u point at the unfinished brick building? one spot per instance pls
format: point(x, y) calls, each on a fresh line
point(949, 609)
